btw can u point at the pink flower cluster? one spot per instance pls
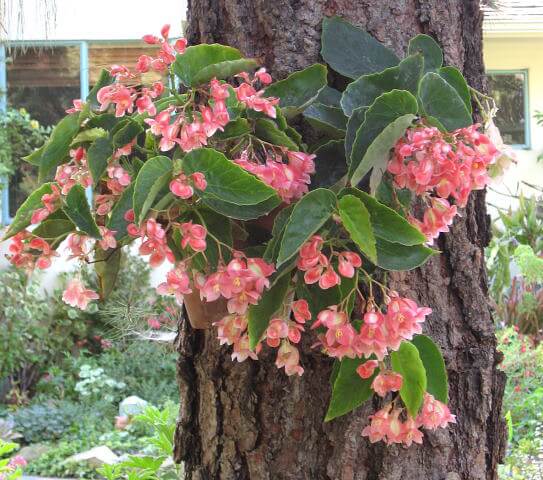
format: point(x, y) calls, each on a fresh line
point(14, 465)
point(318, 268)
point(290, 179)
point(386, 424)
point(241, 282)
point(447, 165)
point(50, 202)
point(77, 295)
point(166, 54)
point(154, 242)
point(28, 251)
point(247, 94)
point(378, 334)
point(177, 283)
point(74, 172)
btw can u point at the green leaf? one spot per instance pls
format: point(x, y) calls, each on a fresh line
point(441, 100)
point(103, 80)
point(436, 373)
point(454, 78)
point(394, 256)
point(35, 157)
point(78, 211)
point(57, 147)
point(116, 221)
point(224, 70)
point(353, 124)
point(356, 220)
point(330, 164)
point(234, 129)
point(317, 298)
point(329, 120)
point(198, 57)
point(268, 131)
point(155, 174)
point(377, 154)
point(259, 315)
point(54, 231)
point(386, 223)
point(25, 211)
point(310, 213)
point(363, 91)
point(220, 228)
point(248, 212)
point(106, 121)
point(349, 390)
point(406, 361)
point(226, 181)
point(107, 266)
point(89, 135)
point(298, 90)
point(329, 96)
point(352, 51)
point(430, 50)
point(124, 135)
point(98, 155)
point(272, 249)
point(386, 109)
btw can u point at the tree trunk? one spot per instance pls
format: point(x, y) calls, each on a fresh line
point(251, 421)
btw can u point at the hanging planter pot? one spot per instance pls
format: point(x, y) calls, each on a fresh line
point(202, 315)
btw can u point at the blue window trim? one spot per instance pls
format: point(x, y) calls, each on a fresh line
point(527, 145)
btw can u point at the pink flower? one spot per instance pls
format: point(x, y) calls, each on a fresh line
point(145, 105)
point(118, 94)
point(434, 414)
point(155, 243)
point(242, 351)
point(219, 90)
point(231, 328)
point(348, 261)
point(161, 122)
point(404, 317)
point(277, 329)
point(108, 238)
point(193, 135)
point(77, 295)
point(366, 369)
point(143, 64)
point(180, 187)
point(300, 309)
point(121, 422)
point(289, 358)
point(154, 323)
point(77, 245)
point(199, 180)
point(264, 77)
point(78, 106)
point(177, 283)
point(387, 382)
point(180, 45)
point(193, 235)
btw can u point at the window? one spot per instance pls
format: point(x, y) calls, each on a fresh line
point(510, 91)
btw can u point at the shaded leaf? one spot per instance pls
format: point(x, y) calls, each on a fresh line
point(436, 373)
point(268, 131)
point(352, 51)
point(77, 209)
point(98, 156)
point(116, 221)
point(454, 77)
point(234, 129)
point(326, 119)
point(223, 70)
point(430, 50)
point(107, 266)
point(356, 220)
point(104, 79)
point(330, 164)
point(394, 256)
point(155, 174)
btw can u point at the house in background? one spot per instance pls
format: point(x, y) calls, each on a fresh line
point(513, 55)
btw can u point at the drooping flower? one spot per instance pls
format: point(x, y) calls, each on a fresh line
point(193, 235)
point(77, 295)
point(386, 382)
point(366, 369)
point(288, 357)
point(434, 414)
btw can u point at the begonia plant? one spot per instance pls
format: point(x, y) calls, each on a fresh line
point(205, 171)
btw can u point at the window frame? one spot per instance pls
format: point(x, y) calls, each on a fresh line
point(527, 145)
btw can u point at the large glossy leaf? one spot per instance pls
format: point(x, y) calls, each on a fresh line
point(234, 129)
point(441, 100)
point(226, 181)
point(429, 49)
point(436, 373)
point(352, 51)
point(353, 124)
point(268, 131)
point(310, 213)
point(57, 147)
point(248, 212)
point(406, 361)
point(454, 77)
point(394, 256)
point(386, 223)
point(377, 155)
point(299, 89)
point(330, 164)
point(363, 91)
point(24, 213)
point(98, 155)
point(78, 211)
point(224, 70)
point(386, 109)
point(356, 220)
point(107, 265)
point(329, 120)
point(329, 96)
point(124, 135)
point(198, 57)
point(155, 174)
point(259, 315)
point(116, 221)
point(349, 390)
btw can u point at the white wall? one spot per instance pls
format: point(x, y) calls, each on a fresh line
point(93, 19)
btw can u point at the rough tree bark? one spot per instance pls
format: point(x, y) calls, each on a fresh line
point(250, 421)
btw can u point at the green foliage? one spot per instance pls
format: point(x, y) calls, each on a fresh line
point(155, 174)
point(95, 384)
point(78, 210)
point(8, 470)
point(356, 219)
